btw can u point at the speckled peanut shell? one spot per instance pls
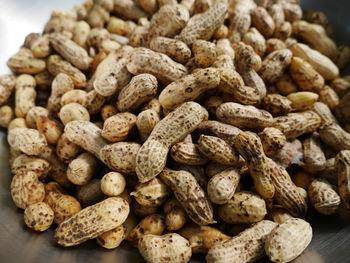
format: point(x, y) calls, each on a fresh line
point(92, 221)
point(248, 246)
point(167, 248)
point(190, 195)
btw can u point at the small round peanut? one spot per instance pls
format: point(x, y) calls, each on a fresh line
point(77, 95)
point(204, 53)
point(113, 184)
point(152, 193)
point(72, 112)
point(81, 169)
point(118, 127)
point(112, 239)
point(38, 216)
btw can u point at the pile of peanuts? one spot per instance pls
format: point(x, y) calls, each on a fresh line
point(205, 126)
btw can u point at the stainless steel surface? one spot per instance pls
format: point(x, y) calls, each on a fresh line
point(331, 242)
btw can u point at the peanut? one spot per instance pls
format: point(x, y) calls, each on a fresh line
point(118, 127)
point(161, 66)
point(81, 169)
point(296, 124)
point(202, 238)
point(25, 95)
point(342, 163)
point(7, 86)
point(288, 240)
point(262, 20)
point(141, 89)
point(69, 50)
point(275, 64)
point(6, 116)
point(205, 26)
point(190, 195)
point(95, 219)
point(169, 247)
point(175, 215)
point(243, 116)
point(90, 193)
point(153, 224)
point(24, 163)
point(272, 140)
point(314, 158)
point(182, 121)
point(323, 196)
point(56, 65)
point(244, 207)
point(187, 153)
point(26, 189)
point(189, 87)
point(38, 216)
point(152, 193)
point(112, 238)
point(248, 246)
point(29, 141)
point(24, 62)
point(66, 150)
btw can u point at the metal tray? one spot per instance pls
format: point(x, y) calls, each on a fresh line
point(331, 241)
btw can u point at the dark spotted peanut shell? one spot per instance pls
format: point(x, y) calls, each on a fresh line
point(92, 221)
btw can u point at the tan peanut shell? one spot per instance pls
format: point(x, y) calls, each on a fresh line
point(335, 136)
point(24, 163)
point(56, 65)
point(288, 240)
point(120, 156)
point(86, 135)
point(315, 36)
point(141, 89)
point(117, 128)
point(274, 65)
point(190, 195)
point(38, 216)
point(112, 238)
point(314, 158)
point(167, 248)
point(146, 121)
point(153, 224)
point(189, 87)
point(243, 116)
point(175, 215)
point(95, 219)
point(66, 150)
point(24, 62)
point(323, 196)
point(321, 63)
point(70, 50)
point(202, 238)
point(342, 164)
point(81, 169)
point(204, 53)
point(160, 65)
point(64, 206)
point(128, 9)
point(25, 95)
point(113, 184)
point(223, 131)
point(29, 141)
point(170, 130)
point(217, 150)
point(205, 26)
point(296, 124)
point(152, 193)
point(187, 153)
point(61, 84)
point(33, 114)
point(26, 189)
point(244, 207)
point(272, 140)
point(222, 186)
point(307, 78)
point(52, 130)
point(262, 20)
point(6, 115)
point(7, 86)
point(248, 246)
point(168, 21)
